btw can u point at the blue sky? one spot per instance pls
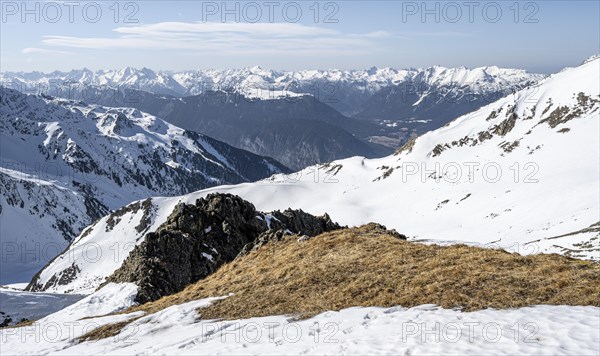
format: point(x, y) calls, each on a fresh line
point(542, 36)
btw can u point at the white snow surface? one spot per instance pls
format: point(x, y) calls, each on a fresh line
point(111, 298)
point(56, 331)
point(425, 329)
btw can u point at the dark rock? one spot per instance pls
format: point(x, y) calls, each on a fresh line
point(264, 238)
point(197, 239)
point(506, 125)
point(300, 222)
point(60, 279)
point(5, 320)
point(381, 229)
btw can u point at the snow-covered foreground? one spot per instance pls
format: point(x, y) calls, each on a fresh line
point(426, 329)
point(59, 329)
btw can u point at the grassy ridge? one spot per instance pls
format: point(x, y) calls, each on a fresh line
point(367, 266)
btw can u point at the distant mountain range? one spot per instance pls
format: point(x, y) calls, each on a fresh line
point(288, 115)
point(344, 90)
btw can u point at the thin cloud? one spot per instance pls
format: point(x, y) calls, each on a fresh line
point(200, 28)
point(228, 38)
point(445, 34)
point(34, 50)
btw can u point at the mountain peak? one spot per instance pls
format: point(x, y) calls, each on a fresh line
point(591, 58)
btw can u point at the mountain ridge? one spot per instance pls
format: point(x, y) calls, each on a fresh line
point(65, 164)
point(342, 89)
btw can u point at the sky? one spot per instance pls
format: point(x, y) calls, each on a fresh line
point(539, 36)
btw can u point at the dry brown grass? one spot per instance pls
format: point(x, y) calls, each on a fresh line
point(105, 331)
point(367, 267)
point(20, 324)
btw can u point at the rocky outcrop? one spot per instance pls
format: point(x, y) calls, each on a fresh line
point(198, 238)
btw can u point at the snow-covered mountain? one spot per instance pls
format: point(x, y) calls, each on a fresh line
point(258, 109)
point(64, 164)
point(345, 90)
point(520, 174)
point(57, 83)
point(430, 98)
point(297, 131)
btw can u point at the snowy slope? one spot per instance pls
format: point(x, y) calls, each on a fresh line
point(425, 329)
point(520, 174)
point(345, 90)
point(548, 184)
point(64, 164)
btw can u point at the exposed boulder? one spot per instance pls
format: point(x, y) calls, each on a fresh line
point(264, 238)
point(198, 238)
point(300, 222)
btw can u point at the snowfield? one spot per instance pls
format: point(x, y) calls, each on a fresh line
point(519, 174)
point(426, 329)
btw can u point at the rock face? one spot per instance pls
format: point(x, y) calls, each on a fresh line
point(197, 239)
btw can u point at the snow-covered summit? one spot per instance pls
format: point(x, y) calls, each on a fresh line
point(591, 58)
point(348, 87)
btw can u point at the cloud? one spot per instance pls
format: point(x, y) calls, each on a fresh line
point(378, 34)
point(212, 28)
point(34, 50)
point(228, 38)
point(439, 34)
